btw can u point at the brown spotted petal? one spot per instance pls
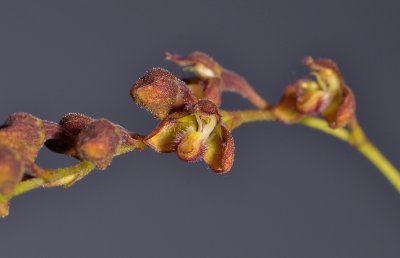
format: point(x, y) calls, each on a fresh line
point(340, 100)
point(219, 154)
point(160, 92)
point(23, 133)
point(99, 143)
point(11, 169)
point(198, 62)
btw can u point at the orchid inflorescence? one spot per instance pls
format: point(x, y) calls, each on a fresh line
point(191, 124)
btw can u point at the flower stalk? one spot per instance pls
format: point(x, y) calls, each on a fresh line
point(191, 124)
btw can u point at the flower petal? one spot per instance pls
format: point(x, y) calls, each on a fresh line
point(341, 101)
point(198, 62)
point(235, 83)
point(191, 146)
point(165, 136)
point(160, 92)
point(343, 112)
point(220, 150)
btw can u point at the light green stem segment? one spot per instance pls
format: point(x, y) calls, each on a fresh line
point(54, 177)
point(380, 161)
point(354, 135)
point(234, 119)
point(61, 176)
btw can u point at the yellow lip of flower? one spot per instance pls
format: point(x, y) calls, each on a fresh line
point(195, 135)
point(192, 145)
point(310, 98)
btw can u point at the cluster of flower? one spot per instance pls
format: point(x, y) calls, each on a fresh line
point(192, 124)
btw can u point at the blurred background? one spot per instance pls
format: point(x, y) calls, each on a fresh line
point(293, 192)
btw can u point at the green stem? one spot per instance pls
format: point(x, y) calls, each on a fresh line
point(322, 125)
point(355, 136)
point(56, 175)
point(381, 162)
point(61, 176)
point(234, 119)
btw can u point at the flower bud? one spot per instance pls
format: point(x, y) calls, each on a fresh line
point(99, 143)
point(24, 133)
point(74, 123)
point(11, 169)
point(65, 141)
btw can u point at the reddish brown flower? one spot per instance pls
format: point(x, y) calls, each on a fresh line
point(196, 134)
point(327, 95)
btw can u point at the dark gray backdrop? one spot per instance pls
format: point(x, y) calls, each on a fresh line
point(293, 192)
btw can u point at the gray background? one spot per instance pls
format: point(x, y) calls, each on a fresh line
point(293, 192)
